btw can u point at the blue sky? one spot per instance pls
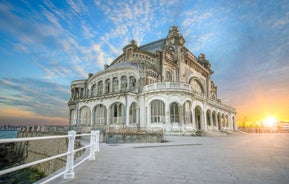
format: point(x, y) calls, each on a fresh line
point(47, 44)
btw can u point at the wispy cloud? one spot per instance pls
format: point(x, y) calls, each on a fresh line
point(41, 97)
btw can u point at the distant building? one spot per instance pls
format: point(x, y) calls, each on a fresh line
point(160, 85)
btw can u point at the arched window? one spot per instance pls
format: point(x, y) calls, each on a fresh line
point(174, 113)
point(115, 84)
point(187, 112)
point(100, 88)
point(93, 90)
point(84, 116)
point(157, 111)
point(132, 82)
point(123, 83)
point(107, 86)
point(132, 113)
point(100, 115)
point(117, 113)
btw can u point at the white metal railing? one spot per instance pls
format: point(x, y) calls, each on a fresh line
point(68, 172)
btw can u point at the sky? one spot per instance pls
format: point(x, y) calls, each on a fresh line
point(47, 44)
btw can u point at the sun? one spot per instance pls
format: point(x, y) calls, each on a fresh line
point(270, 122)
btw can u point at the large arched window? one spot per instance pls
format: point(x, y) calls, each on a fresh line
point(214, 117)
point(115, 84)
point(84, 116)
point(174, 113)
point(123, 83)
point(72, 117)
point(117, 113)
point(93, 90)
point(100, 115)
point(107, 86)
point(196, 85)
point(132, 113)
point(157, 111)
point(100, 88)
point(187, 112)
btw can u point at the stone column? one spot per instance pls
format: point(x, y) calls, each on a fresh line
point(203, 121)
point(211, 119)
point(194, 119)
point(108, 116)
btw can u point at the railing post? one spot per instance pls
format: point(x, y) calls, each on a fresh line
point(97, 141)
point(69, 174)
point(92, 145)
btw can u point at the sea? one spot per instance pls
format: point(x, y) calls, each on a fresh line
point(7, 134)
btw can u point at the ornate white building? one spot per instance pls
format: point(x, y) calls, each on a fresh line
point(157, 85)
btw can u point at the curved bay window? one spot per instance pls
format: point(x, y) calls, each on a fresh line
point(123, 83)
point(187, 113)
point(117, 113)
point(132, 113)
point(100, 88)
point(84, 116)
point(100, 115)
point(174, 113)
point(157, 111)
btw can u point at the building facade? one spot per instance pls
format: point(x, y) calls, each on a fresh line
point(160, 85)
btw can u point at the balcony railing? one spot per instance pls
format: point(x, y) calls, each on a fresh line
point(68, 173)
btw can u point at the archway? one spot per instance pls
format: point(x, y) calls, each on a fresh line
point(84, 116)
point(100, 114)
point(117, 113)
point(198, 117)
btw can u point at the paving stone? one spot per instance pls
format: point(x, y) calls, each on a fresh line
point(251, 158)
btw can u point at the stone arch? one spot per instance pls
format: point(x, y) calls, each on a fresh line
point(198, 117)
point(196, 85)
point(117, 113)
point(226, 121)
point(157, 111)
point(99, 114)
point(84, 115)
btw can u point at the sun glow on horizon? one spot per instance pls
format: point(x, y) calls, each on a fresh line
point(270, 122)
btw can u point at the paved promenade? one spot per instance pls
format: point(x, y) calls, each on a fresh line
point(241, 159)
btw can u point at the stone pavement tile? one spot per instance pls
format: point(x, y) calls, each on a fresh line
point(231, 159)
